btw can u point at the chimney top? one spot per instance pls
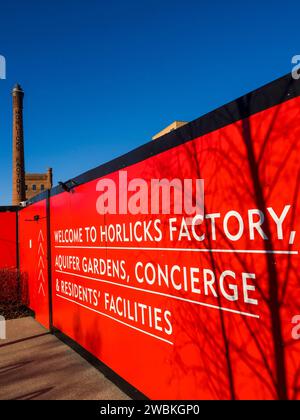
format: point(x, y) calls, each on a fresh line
point(17, 88)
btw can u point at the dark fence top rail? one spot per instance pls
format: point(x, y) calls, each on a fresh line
point(4, 209)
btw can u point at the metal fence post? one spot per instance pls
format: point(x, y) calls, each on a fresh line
point(48, 215)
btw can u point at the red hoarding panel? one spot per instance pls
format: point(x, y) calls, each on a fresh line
point(183, 311)
point(33, 258)
point(8, 244)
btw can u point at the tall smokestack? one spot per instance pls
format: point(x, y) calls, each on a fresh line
point(50, 177)
point(18, 191)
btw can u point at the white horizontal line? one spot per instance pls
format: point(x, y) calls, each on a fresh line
point(233, 251)
point(161, 294)
point(115, 319)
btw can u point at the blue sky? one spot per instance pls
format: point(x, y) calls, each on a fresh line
point(100, 78)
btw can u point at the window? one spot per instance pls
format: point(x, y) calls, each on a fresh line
point(42, 187)
point(26, 187)
point(33, 187)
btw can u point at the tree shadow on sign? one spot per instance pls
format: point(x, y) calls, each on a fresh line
point(230, 356)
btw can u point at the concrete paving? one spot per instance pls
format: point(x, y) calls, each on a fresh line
point(36, 365)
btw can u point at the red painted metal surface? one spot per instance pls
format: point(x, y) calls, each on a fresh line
point(8, 245)
point(33, 258)
point(228, 338)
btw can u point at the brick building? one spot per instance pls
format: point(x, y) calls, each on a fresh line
point(37, 183)
point(171, 127)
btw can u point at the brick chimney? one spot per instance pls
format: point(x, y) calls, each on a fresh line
point(50, 176)
point(18, 188)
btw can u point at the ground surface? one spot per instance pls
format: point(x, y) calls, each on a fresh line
point(36, 365)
